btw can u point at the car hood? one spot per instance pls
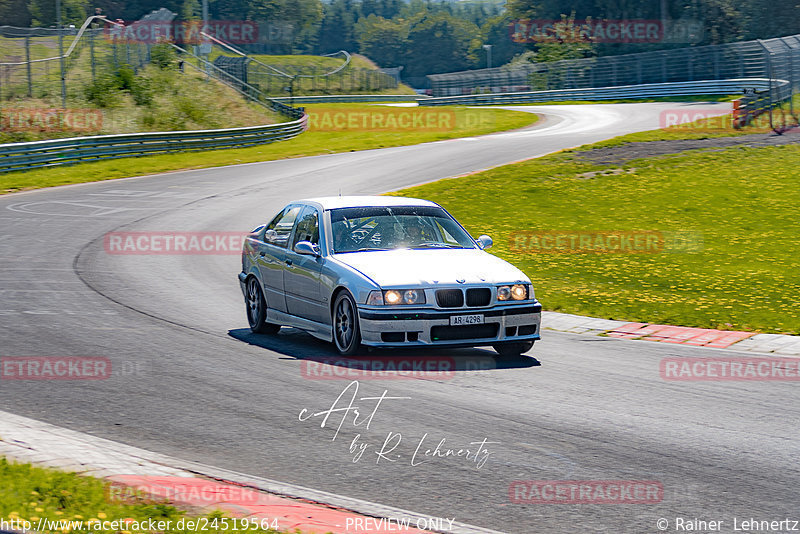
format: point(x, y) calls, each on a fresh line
point(431, 267)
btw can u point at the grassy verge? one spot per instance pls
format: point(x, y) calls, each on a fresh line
point(32, 493)
point(465, 122)
point(720, 126)
point(739, 207)
point(152, 100)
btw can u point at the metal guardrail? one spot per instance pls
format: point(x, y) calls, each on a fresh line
point(55, 152)
point(760, 95)
point(330, 99)
point(654, 90)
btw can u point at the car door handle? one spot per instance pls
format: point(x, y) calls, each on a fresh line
point(289, 263)
point(262, 253)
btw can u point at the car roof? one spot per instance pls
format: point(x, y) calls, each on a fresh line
point(330, 203)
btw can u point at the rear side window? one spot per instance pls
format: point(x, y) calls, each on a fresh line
point(280, 228)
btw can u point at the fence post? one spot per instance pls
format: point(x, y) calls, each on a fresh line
point(91, 53)
point(61, 64)
point(28, 65)
point(768, 64)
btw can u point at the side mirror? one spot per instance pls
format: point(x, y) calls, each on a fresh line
point(306, 248)
point(484, 242)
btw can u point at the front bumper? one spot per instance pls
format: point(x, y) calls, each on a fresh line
point(431, 327)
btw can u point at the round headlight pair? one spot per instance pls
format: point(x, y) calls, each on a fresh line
point(397, 296)
point(515, 292)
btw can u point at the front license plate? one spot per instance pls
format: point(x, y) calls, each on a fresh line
point(457, 320)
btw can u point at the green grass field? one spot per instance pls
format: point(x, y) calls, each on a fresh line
point(32, 493)
point(739, 204)
point(467, 122)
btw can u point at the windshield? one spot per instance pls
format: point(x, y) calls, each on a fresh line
point(387, 228)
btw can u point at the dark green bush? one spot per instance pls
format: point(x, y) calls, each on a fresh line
point(105, 90)
point(163, 56)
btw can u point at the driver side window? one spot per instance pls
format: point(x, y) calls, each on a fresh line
point(280, 228)
point(307, 227)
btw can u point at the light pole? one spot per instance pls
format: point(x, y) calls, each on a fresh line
point(488, 49)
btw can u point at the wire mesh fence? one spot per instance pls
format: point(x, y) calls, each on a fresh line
point(748, 59)
point(31, 65)
point(782, 101)
point(776, 60)
point(32, 60)
point(287, 78)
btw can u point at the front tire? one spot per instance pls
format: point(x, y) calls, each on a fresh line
point(257, 309)
point(514, 349)
point(346, 332)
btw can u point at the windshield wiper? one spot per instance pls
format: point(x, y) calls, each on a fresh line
point(363, 249)
point(437, 245)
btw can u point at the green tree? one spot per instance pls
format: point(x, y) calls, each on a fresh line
point(496, 32)
point(384, 41)
point(440, 43)
point(191, 10)
point(43, 12)
point(14, 13)
point(337, 31)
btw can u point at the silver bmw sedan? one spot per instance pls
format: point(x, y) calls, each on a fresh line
point(384, 272)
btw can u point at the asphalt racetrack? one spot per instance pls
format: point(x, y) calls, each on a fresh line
point(189, 380)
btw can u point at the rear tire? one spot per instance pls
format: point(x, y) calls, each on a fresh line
point(346, 332)
point(257, 309)
point(513, 349)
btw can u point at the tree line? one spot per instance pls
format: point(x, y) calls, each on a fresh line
point(433, 36)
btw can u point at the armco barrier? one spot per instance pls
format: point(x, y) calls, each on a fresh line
point(331, 99)
point(24, 156)
point(703, 87)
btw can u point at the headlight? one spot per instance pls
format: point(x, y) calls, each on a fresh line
point(392, 297)
point(519, 292)
point(513, 292)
